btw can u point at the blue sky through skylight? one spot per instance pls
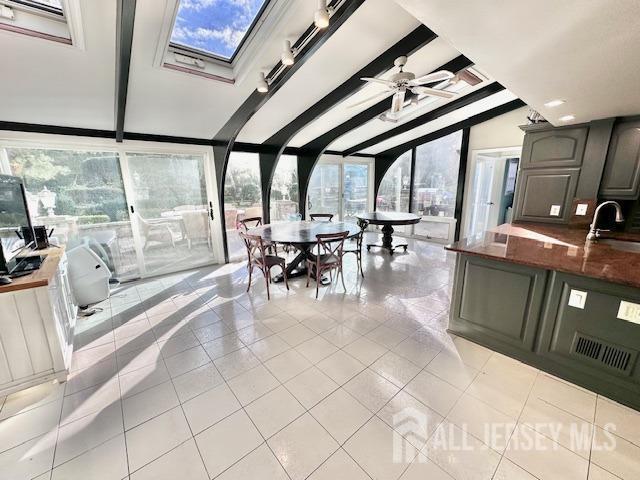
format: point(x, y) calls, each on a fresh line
point(214, 26)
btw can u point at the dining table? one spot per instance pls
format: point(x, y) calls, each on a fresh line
point(302, 236)
point(388, 220)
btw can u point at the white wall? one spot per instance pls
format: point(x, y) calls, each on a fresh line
point(499, 132)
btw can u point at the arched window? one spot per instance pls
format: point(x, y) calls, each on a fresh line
point(393, 194)
point(283, 201)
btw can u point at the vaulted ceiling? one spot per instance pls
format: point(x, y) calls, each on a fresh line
point(74, 86)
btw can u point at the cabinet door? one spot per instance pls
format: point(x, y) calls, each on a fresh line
point(621, 178)
point(557, 147)
point(546, 195)
point(497, 303)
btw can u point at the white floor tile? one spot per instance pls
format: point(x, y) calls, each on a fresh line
point(574, 400)
point(269, 347)
point(341, 415)
point(386, 336)
point(398, 370)
point(148, 404)
point(197, 381)
point(156, 437)
point(598, 473)
point(252, 384)
point(182, 463)
point(226, 442)
point(434, 392)
point(507, 470)
point(296, 335)
point(186, 361)
point(365, 350)
point(274, 410)
point(451, 369)
point(422, 468)
point(235, 363)
point(140, 380)
point(339, 466)
point(415, 351)
point(302, 446)
point(626, 420)
point(311, 386)
point(340, 336)
point(28, 425)
point(615, 454)
point(105, 462)
point(210, 407)
point(222, 346)
point(31, 398)
point(371, 390)
point(259, 464)
point(28, 459)
point(287, 365)
point(316, 349)
point(178, 344)
point(341, 367)
point(90, 377)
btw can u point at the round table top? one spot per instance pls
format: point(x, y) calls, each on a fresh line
point(389, 218)
point(302, 232)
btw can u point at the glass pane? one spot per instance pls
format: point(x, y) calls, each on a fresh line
point(393, 194)
point(242, 196)
point(216, 27)
point(171, 210)
point(356, 191)
point(89, 205)
point(284, 190)
point(324, 189)
point(436, 177)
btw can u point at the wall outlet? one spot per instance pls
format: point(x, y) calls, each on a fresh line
point(555, 211)
point(629, 311)
point(577, 298)
point(581, 209)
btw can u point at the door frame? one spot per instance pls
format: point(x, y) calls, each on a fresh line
point(45, 141)
point(498, 152)
point(341, 161)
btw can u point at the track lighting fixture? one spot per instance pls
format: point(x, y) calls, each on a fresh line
point(287, 54)
point(263, 86)
point(321, 16)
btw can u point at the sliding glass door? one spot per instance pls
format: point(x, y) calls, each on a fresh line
point(170, 210)
point(341, 188)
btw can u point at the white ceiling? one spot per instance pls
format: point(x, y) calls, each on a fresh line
point(581, 51)
point(458, 115)
point(366, 34)
point(166, 102)
point(51, 83)
point(424, 60)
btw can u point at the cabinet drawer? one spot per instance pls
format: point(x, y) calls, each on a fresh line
point(557, 147)
point(540, 190)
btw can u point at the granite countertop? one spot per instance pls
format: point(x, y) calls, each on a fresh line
point(556, 248)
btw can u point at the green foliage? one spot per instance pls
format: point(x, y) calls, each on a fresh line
point(92, 219)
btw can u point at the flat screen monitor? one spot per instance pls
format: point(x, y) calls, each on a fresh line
point(14, 216)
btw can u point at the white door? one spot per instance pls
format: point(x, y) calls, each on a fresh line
point(482, 195)
point(172, 210)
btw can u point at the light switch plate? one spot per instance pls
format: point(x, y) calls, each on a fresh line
point(581, 209)
point(629, 311)
point(555, 210)
point(577, 298)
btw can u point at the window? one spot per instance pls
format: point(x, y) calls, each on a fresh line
point(215, 27)
point(393, 194)
point(51, 6)
point(284, 190)
point(242, 196)
point(80, 194)
point(436, 177)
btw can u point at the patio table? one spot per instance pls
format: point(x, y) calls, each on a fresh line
point(301, 235)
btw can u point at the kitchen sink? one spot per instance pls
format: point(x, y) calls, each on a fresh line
point(622, 245)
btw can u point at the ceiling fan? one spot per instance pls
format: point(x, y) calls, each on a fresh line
point(399, 83)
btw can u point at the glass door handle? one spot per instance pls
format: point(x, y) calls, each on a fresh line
point(131, 208)
point(211, 210)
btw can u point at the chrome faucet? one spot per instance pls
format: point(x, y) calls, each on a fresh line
point(594, 231)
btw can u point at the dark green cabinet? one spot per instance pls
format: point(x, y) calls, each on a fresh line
point(497, 301)
point(554, 147)
point(621, 177)
point(546, 194)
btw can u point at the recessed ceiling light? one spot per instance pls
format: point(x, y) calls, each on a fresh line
point(567, 118)
point(554, 103)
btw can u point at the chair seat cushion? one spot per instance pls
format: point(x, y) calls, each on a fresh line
point(270, 260)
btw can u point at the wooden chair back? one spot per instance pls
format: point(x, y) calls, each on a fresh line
point(331, 243)
point(246, 223)
point(323, 217)
point(256, 251)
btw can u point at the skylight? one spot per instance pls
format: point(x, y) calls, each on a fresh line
point(215, 27)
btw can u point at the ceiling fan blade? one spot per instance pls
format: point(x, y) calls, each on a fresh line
point(433, 91)
point(434, 77)
point(397, 102)
point(368, 99)
point(388, 83)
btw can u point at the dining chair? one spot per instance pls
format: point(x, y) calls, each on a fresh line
point(321, 217)
point(257, 256)
point(357, 250)
point(252, 222)
point(330, 248)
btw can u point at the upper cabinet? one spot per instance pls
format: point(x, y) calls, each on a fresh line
point(554, 147)
point(621, 177)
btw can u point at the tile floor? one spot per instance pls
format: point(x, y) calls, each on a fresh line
point(186, 376)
